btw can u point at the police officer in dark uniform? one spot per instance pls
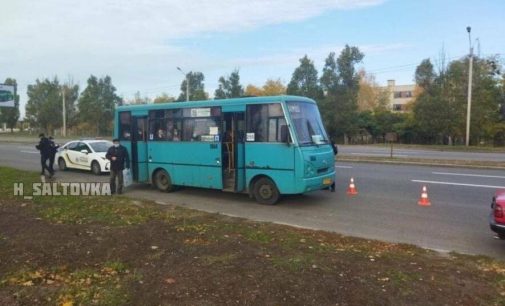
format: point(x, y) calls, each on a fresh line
point(119, 159)
point(44, 147)
point(52, 153)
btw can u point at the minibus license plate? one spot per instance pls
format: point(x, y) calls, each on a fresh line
point(327, 181)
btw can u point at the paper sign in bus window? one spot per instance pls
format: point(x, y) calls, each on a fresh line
point(200, 112)
point(209, 138)
point(213, 130)
point(250, 137)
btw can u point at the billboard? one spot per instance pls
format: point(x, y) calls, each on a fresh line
point(7, 94)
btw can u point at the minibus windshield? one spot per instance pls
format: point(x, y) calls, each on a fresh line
point(307, 122)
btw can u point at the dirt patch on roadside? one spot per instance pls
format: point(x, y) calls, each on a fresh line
point(194, 258)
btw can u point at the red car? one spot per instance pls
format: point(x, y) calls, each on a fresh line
point(497, 217)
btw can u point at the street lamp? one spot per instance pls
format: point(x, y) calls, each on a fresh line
point(187, 83)
point(470, 72)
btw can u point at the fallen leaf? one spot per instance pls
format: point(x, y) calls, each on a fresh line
point(67, 303)
point(170, 281)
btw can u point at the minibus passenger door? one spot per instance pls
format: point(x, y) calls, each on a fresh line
point(139, 149)
point(268, 147)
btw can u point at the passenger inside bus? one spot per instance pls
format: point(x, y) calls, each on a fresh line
point(176, 135)
point(160, 134)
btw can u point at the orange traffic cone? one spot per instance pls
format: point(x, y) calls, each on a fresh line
point(352, 188)
point(424, 200)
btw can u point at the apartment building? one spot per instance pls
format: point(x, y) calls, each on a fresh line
point(399, 95)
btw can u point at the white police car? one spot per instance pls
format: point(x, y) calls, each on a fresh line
point(84, 155)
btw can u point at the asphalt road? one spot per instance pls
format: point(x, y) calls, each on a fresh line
point(385, 208)
point(357, 150)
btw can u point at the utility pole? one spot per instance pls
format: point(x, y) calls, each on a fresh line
point(64, 131)
point(187, 83)
point(469, 102)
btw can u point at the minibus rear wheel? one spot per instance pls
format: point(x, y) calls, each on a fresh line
point(162, 181)
point(265, 191)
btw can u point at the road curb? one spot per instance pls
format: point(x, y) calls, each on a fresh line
point(416, 163)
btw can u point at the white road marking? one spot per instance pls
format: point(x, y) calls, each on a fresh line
point(380, 154)
point(31, 152)
point(457, 184)
point(344, 167)
point(468, 174)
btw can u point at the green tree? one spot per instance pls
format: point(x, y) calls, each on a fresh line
point(340, 81)
point(229, 87)
point(44, 105)
point(10, 115)
point(196, 87)
point(440, 110)
point(425, 74)
point(304, 81)
point(222, 89)
point(431, 112)
point(330, 79)
point(97, 104)
point(71, 92)
point(486, 95)
point(433, 107)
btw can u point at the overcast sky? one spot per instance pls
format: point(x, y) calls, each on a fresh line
point(139, 43)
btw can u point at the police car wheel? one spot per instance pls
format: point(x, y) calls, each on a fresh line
point(95, 168)
point(62, 165)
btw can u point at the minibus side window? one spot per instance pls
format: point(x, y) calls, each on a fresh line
point(265, 122)
point(201, 124)
point(124, 125)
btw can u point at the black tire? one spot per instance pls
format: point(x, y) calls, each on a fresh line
point(162, 181)
point(62, 165)
point(501, 236)
point(95, 168)
point(265, 191)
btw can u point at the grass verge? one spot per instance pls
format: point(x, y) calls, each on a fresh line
point(69, 250)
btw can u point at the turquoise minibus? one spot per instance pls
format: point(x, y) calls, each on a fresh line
point(263, 146)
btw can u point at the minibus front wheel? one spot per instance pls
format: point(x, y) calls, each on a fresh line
point(265, 191)
point(162, 181)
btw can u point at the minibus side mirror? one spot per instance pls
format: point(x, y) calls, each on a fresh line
point(335, 148)
point(284, 134)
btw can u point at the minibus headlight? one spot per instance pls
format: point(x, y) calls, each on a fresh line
point(308, 169)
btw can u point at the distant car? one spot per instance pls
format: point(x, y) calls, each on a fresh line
point(497, 216)
point(84, 155)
